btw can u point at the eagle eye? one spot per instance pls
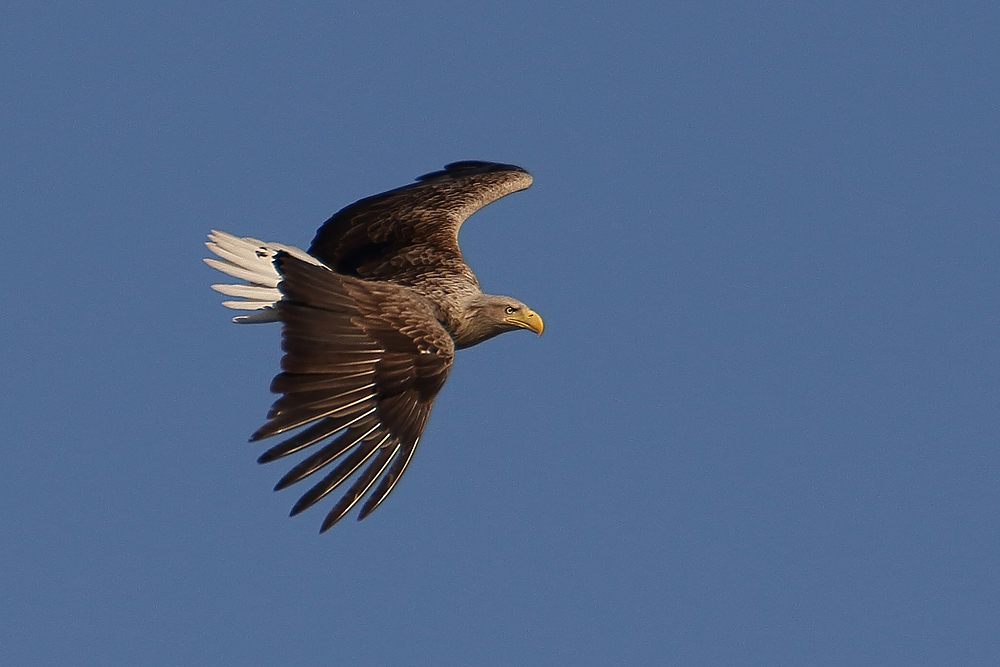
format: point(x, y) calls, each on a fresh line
point(509, 309)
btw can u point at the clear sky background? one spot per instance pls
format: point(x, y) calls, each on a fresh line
point(761, 427)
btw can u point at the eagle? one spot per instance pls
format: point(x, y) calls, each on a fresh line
point(371, 315)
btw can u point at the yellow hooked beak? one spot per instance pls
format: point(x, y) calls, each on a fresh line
point(527, 319)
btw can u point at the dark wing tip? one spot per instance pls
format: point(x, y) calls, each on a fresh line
point(469, 168)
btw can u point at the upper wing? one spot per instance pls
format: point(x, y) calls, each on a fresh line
point(365, 359)
point(410, 235)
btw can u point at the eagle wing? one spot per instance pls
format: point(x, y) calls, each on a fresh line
point(409, 235)
point(362, 359)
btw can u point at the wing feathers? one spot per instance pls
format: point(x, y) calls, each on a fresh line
point(289, 419)
point(361, 485)
point(388, 481)
point(293, 383)
point(325, 455)
point(310, 436)
point(361, 368)
point(410, 235)
point(344, 469)
point(320, 400)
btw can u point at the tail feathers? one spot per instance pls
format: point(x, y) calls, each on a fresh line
point(251, 260)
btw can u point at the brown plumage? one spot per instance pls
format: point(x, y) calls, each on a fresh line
point(371, 317)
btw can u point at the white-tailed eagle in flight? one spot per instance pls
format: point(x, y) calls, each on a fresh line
point(371, 317)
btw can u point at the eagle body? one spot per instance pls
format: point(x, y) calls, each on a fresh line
point(371, 317)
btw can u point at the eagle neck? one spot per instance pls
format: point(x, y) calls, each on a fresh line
point(470, 324)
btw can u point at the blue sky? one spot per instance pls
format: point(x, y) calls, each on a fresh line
point(761, 426)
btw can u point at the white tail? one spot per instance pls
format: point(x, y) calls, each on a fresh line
point(251, 260)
